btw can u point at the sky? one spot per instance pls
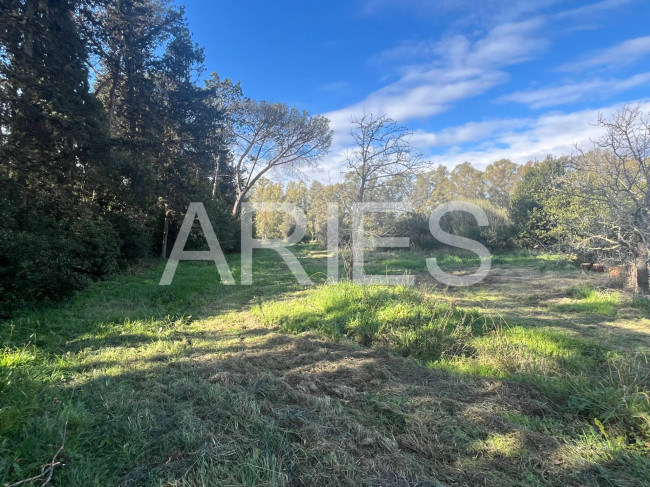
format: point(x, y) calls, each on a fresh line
point(474, 80)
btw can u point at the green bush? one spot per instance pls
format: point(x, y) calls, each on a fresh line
point(43, 259)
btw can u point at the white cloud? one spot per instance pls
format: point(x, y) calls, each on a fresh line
point(489, 12)
point(485, 12)
point(469, 132)
point(457, 69)
point(522, 140)
point(433, 75)
point(620, 55)
point(571, 93)
point(518, 139)
point(593, 8)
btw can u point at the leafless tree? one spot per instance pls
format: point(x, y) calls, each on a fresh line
point(614, 180)
point(382, 151)
point(268, 136)
point(382, 155)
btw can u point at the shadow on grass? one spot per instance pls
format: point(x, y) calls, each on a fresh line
point(154, 400)
point(286, 410)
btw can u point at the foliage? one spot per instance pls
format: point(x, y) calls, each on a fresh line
point(93, 180)
point(272, 136)
point(399, 317)
point(529, 199)
point(604, 203)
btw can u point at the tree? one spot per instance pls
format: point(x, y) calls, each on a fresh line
point(467, 183)
point(382, 151)
point(188, 121)
point(612, 188)
point(271, 136)
point(223, 95)
point(530, 198)
point(430, 190)
point(124, 37)
point(500, 179)
point(383, 155)
point(166, 131)
point(268, 224)
point(297, 194)
point(319, 197)
point(53, 148)
point(51, 128)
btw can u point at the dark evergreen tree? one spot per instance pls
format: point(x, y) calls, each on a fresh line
point(52, 156)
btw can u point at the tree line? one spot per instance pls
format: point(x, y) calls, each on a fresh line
point(108, 132)
point(592, 204)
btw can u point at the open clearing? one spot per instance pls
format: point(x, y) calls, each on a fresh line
point(534, 377)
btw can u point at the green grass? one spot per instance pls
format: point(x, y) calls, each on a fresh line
point(400, 317)
point(277, 385)
point(580, 375)
point(585, 299)
point(450, 260)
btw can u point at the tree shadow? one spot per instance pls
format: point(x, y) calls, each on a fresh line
point(301, 410)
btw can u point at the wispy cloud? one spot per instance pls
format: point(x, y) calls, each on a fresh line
point(575, 92)
point(469, 132)
point(491, 12)
point(522, 140)
point(485, 12)
point(620, 55)
point(593, 8)
point(457, 68)
point(432, 75)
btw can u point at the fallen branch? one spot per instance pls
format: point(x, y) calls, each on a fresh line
point(48, 472)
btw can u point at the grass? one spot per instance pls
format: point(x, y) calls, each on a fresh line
point(275, 384)
point(400, 317)
point(582, 376)
point(585, 299)
point(450, 260)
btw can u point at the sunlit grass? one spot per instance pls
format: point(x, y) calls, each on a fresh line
point(399, 316)
point(133, 369)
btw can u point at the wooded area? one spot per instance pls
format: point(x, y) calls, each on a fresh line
point(108, 132)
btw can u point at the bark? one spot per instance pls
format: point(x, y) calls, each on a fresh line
point(641, 265)
point(165, 236)
point(237, 206)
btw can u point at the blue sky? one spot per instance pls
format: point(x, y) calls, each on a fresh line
point(475, 80)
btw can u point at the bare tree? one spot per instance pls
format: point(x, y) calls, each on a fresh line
point(268, 136)
point(383, 151)
point(382, 155)
point(614, 182)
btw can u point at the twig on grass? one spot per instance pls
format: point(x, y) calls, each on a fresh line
point(48, 472)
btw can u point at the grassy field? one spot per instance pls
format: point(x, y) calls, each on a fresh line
point(537, 376)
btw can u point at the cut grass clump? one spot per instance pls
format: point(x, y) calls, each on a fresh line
point(400, 317)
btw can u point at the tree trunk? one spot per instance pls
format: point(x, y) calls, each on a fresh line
point(111, 105)
point(641, 265)
point(216, 181)
point(163, 252)
point(237, 207)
